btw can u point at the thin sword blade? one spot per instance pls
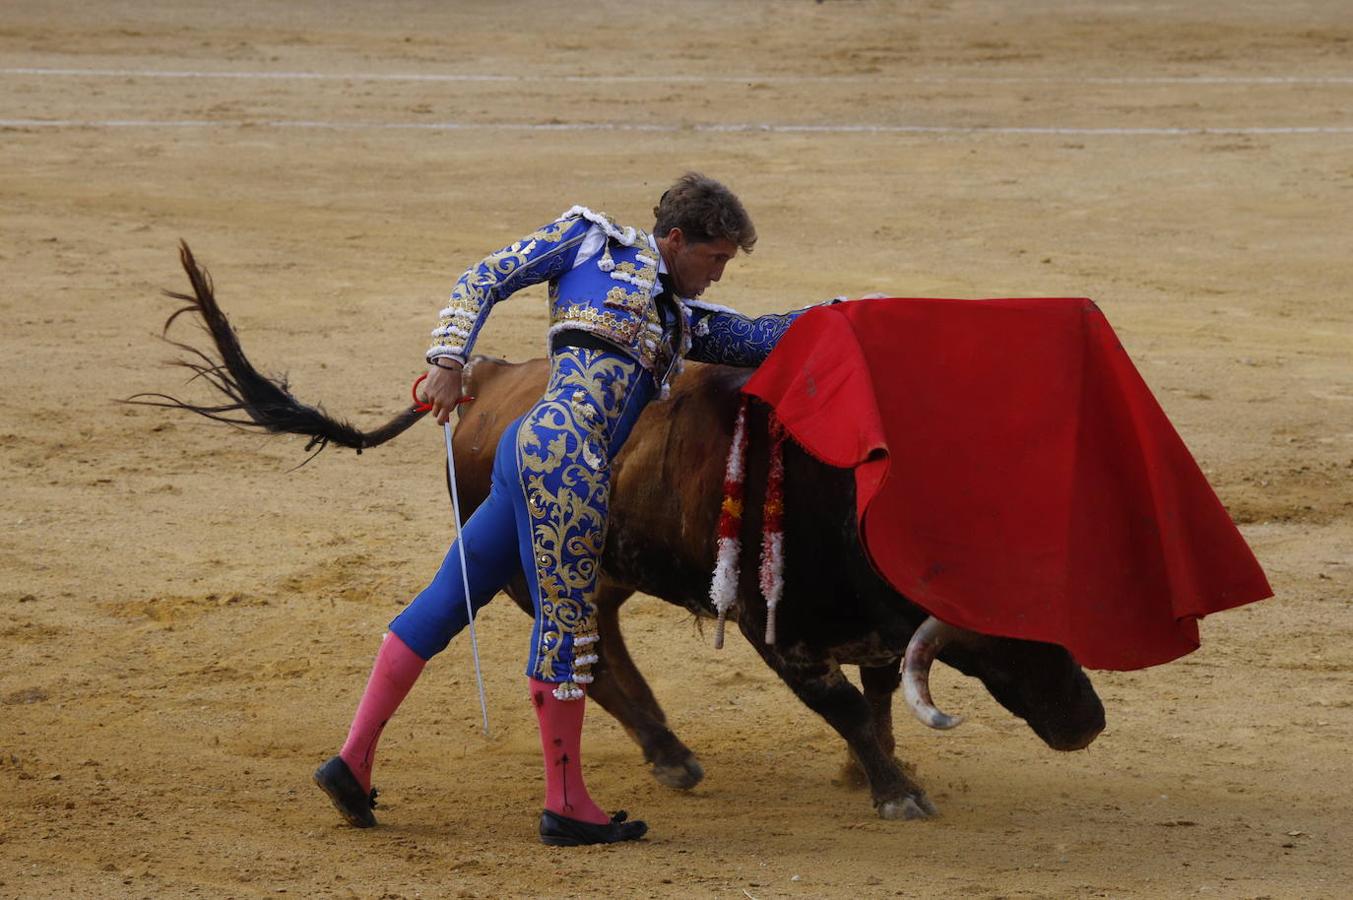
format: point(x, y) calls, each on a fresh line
point(464, 573)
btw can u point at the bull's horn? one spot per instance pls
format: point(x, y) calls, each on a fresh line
point(928, 641)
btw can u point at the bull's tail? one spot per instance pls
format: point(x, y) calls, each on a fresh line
point(255, 400)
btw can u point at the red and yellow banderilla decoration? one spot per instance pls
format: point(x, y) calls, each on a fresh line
point(723, 589)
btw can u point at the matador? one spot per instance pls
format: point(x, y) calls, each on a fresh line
point(624, 313)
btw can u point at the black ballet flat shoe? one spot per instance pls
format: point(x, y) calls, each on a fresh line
point(561, 831)
point(352, 803)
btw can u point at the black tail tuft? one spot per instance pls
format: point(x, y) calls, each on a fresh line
point(254, 400)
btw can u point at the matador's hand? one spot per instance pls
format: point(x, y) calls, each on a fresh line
point(442, 388)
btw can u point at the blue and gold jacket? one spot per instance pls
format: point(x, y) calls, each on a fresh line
point(603, 279)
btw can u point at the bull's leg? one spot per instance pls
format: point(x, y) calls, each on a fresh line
point(879, 683)
point(619, 687)
point(621, 690)
point(824, 689)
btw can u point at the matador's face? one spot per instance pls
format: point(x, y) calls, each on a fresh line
point(694, 265)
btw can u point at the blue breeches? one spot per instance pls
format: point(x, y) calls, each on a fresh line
point(545, 516)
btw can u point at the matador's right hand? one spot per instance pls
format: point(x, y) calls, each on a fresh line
point(442, 388)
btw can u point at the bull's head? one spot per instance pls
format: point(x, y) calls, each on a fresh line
point(1038, 682)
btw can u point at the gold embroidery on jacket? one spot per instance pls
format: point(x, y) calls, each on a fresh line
point(620, 329)
point(473, 288)
point(627, 299)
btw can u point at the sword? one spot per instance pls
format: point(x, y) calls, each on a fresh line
point(465, 573)
point(460, 543)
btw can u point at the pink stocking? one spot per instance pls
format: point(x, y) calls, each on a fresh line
point(396, 669)
point(561, 733)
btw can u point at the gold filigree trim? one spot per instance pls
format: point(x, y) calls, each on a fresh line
point(474, 291)
point(562, 457)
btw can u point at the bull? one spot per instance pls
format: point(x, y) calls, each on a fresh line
point(836, 610)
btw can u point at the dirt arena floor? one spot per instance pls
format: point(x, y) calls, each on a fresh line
point(186, 623)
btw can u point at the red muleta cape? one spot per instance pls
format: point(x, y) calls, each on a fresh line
point(1014, 475)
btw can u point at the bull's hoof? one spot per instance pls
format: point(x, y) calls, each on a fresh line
point(918, 807)
point(683, 775)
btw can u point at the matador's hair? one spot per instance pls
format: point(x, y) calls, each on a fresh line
point(704, 210)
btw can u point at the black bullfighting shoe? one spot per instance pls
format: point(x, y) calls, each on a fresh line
point(352, 803)
point(561, 831)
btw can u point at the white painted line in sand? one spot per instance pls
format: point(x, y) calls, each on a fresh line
point(718, 128)
point(695, 79)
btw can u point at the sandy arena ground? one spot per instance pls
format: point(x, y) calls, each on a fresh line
point(186, 624)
